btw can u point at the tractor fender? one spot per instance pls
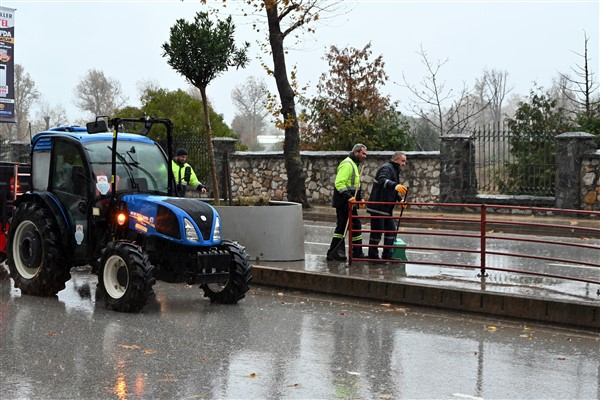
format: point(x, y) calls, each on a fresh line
point(55, 208)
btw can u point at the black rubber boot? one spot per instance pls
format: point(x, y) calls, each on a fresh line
point(387, 251)
point(373, 251)
point(357, 249)
point(336, 250)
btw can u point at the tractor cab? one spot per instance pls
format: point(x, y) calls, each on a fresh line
point(75, 166)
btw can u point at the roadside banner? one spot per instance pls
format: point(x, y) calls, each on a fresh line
point(7, 64)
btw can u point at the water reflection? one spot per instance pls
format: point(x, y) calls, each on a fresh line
point(278, 345)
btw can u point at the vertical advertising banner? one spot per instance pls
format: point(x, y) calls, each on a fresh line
point(7, 64)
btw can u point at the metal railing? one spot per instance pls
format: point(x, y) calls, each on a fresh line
point(490, 232)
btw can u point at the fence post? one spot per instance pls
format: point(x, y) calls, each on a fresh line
point(483, 262)
point(457, 158)
point(570, 148)
point(223, 146)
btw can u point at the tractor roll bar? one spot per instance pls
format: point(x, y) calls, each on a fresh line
point(148, 122)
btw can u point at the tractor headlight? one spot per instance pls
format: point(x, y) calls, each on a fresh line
point(217, 229)
point(190, 231)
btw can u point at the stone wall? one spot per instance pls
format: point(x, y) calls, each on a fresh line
point(263, 173)
point(590, 181)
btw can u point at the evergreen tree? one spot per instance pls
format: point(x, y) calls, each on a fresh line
point(350, 108)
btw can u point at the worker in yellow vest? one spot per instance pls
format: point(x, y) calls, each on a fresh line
point(184, 173)
point(347, 188)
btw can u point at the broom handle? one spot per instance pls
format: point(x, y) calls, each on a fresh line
point(402, 208)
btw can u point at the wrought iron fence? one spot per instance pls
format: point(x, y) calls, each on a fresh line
point(506, 163)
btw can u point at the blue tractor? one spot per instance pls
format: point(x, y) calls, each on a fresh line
point(106, 198)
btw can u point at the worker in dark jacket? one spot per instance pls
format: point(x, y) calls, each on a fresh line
point(347, 188)
point(386, 188)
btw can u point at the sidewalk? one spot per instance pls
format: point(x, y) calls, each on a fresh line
point(503, 295)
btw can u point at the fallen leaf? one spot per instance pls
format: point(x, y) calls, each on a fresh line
point(149, 351)
point(491, 329)
point(51, 333)
point(129, 346)
point(385, 396)
point(526, 336)
point(386, 305)
point(280, 294)
point(252, 375)
point(343, 312)
point(296, 385)
point(574, 222)
point(167, 378)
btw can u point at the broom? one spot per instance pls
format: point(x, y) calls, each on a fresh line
point(400, 242)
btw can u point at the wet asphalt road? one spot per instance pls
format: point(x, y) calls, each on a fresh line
point(279, 345)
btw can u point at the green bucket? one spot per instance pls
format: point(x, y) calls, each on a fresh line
point(399, 251)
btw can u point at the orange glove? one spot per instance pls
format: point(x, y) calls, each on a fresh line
point(401, 189)
point(362, 203)
point(404, 205)
point(352, 199)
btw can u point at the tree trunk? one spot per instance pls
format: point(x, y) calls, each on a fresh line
point(211, 152)
point(296, 182)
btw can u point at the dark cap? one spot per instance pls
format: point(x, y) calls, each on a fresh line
point(181, 152)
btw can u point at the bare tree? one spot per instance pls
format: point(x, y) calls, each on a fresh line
point(582, 89)
point(250, 98)
point(26, 93)
point(98, 94)
point(146, 86)
point(431, 99)
point(491, 89)
point(48, 116)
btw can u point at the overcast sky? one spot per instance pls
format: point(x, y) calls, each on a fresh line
point(57, 42)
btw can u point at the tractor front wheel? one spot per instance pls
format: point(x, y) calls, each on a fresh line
point(240, 276)
point(35, 258)
point(125, 277)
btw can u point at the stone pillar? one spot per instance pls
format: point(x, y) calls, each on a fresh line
point(457, 175)
point(223, 147)
point(570, 147)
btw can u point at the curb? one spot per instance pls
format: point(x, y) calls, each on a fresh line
point(583, 316)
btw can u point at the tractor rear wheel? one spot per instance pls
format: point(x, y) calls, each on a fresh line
point(125, 277)
point(35, 258)
point(240, 276)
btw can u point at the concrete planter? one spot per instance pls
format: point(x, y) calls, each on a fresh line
point(271, 233)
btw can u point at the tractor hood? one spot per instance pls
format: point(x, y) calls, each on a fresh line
point(184, 220)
